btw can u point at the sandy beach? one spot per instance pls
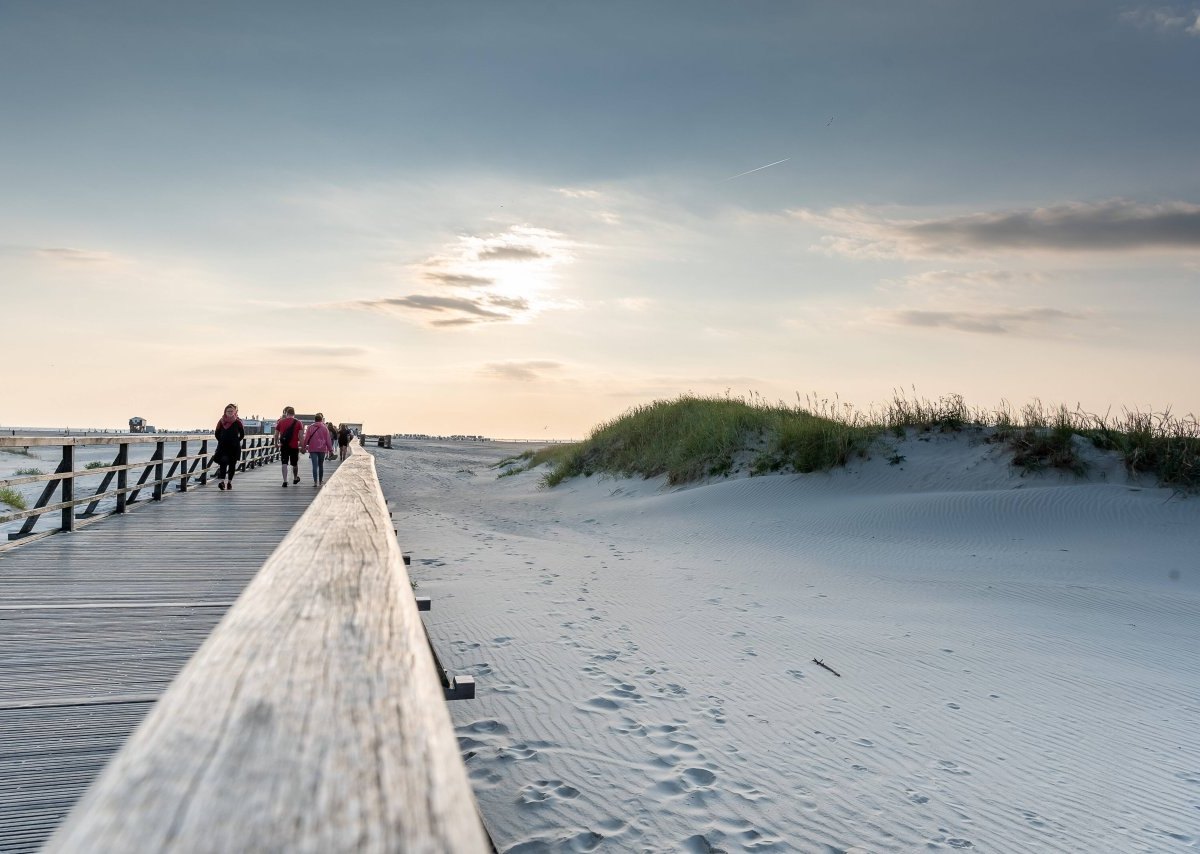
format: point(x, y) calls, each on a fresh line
point(1018, 655)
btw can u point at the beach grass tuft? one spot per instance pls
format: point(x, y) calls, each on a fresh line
point(693, 437)
point(532, 459)
point(12, 498)
point(20, 472)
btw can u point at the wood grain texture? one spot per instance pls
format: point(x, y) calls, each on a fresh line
point(310, 720)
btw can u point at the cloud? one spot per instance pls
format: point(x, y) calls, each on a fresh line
point(967, 284)
point(493, 278)
point(510, 253)
point(74, 256)
point(461, 280)
point(1105, 227)
point(1030, 321)
point(423, 302)
point(1164, 20)
point(68, 256)
point(520, 371)
point(323, 351)
point(636, 304)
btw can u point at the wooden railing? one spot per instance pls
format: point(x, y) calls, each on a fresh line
point(312, 719)
point(157, 473)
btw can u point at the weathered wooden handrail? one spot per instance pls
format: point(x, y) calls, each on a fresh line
point(256, 451)
point(312, 718)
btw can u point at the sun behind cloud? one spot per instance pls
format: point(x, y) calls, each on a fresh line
point(480, 279)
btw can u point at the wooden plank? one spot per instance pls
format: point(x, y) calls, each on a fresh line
point(94, 625)
point(311, 719)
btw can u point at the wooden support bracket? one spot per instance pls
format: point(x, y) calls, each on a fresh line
point(459, 687)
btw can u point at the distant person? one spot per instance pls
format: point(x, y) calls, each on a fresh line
point(344, 437)
point(229, 432)
point(289, 432)
point(317, 443)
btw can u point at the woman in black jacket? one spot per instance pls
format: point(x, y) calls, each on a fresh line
point(229, 433)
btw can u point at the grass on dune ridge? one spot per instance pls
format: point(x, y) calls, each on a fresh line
point(694, 437)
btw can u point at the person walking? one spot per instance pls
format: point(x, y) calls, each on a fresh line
point(343, 443)
point(289, 433)
point(317, 443)
point(229, 432)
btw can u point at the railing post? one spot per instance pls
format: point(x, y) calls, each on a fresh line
point(159, 450)
point(68, 487)
point(122, 475)
point(184, 463)
point(204, 462)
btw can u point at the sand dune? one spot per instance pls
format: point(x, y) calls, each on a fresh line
point(1018, 655)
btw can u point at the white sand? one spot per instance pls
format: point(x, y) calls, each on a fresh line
point(1019, 657)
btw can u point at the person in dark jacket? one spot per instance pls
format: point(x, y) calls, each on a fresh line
point(229, 433)
point(344, 437)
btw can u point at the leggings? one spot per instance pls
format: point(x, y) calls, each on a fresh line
point(226, 467)
point(318, 461)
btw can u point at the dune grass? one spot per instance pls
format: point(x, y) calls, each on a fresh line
point(12, 498)
point(20, 472)
point(692, 437)
point(532, 459)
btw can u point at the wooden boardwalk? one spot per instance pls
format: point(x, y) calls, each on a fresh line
point(95, 624)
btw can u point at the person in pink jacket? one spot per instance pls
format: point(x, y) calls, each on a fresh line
point(317, 443)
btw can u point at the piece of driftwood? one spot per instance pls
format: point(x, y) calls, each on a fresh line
point(312, 719)
point(820, 663)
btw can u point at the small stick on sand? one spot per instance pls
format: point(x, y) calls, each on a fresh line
point(821, 663)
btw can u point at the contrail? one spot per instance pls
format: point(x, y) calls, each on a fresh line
point(759, 169)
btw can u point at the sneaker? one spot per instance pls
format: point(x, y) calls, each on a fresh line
point(229, 485)
point(285, 484)
point(296, 479)
point(220, 484)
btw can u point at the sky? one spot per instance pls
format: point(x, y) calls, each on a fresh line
point(521, 219)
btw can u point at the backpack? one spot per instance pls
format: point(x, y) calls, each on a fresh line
point(291, 431)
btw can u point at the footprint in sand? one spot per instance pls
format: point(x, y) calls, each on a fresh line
point(699, 778)
point(600, 704)
point(699, 844)
point(487, 726)
point(952, 768)
point(747, 792)
point(516, 753)
point(482, 776)
point(541, 791)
